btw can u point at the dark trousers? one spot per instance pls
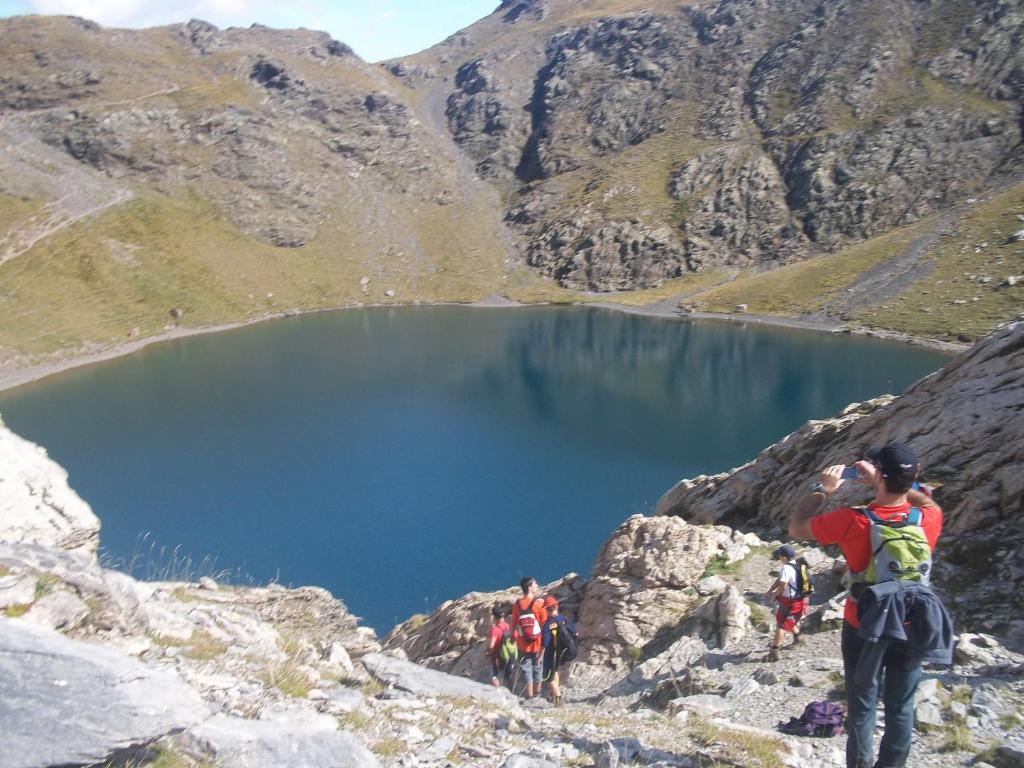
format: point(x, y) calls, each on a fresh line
point(897, 681)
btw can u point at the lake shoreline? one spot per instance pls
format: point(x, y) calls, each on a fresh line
point(12, 377)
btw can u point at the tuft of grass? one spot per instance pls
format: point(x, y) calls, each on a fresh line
point(4, 571)
point(203, 647)
point(1010, 720)
point(200, 646)
point(288, 679)
point(760, 616)
point(45, 584)
point(721, 566)
point(416, 621)
point(355, 721)
point(372, 687)
point(957, 737)
point(633, 654)
point(16, 610)
point(737, 747)
point(388, 747)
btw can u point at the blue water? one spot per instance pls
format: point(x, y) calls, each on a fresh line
point(404, 457)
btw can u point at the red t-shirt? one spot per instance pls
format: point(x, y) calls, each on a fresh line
point(522, 605)
point(851, 531)
point(497, 633)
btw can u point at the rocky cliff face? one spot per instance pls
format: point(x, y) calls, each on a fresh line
point(36, 504)
point(965, 422)
point(759, 133)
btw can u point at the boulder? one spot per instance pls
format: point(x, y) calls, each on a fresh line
point(638, 587)
point(724, 620)
point(36, 502)
point(421, 681)
point(67, 702)
point(288, 743)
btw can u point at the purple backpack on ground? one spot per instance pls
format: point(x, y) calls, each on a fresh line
point(820, 718)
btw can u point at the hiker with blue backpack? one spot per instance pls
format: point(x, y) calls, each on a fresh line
point(559, 638)
point(893, 622)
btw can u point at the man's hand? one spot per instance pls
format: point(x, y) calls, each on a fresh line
point(831, 478)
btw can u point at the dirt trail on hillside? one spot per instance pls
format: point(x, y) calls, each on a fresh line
point(32, 168)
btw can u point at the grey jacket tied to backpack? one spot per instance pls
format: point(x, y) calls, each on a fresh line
point(905, 612)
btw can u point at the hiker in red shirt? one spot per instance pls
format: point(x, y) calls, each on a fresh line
point(528, 616)
point(892, 472)
point(792, 603)
point(501, 668)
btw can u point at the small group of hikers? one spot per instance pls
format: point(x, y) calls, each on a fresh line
point(893, 622)
point(530, 649)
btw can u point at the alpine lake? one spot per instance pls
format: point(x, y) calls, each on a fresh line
point(403, 457)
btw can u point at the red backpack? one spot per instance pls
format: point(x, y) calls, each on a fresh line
point(528, 625)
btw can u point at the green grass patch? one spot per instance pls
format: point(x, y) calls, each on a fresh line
point(46, 582)
point(4, 571)
point(355, 720)
point(720, 565)
point(1010, 720)
point(737, 747)
point(806, 286)
point(289, 680)
point(950, 303)
point(203, 647)
point(760, 616)
point(17, 610)
point(388, 747)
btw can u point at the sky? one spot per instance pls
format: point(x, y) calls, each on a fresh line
point(375, 29)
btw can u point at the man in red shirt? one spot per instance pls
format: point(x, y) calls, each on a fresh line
point(892, 471)
point(528, 617)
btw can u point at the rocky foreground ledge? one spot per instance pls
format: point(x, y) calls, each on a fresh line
point(97, 668)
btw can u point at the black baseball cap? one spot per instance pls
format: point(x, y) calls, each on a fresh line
point(895, 461)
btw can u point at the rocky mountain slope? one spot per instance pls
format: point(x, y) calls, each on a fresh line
point(188, 176)
point(858, 161)
point(644, 141)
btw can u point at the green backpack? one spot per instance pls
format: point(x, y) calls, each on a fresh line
point(899, 550)
point(507, 649)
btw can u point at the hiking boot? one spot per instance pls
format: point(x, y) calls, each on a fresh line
point(796, 639)
point(773, 653)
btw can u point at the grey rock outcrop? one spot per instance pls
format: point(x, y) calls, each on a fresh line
point(416, 679)
point(36, 502)
point(638, 593)
point(615, 256)
point(302, 743)
point(66, 702)
point(724, 620)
